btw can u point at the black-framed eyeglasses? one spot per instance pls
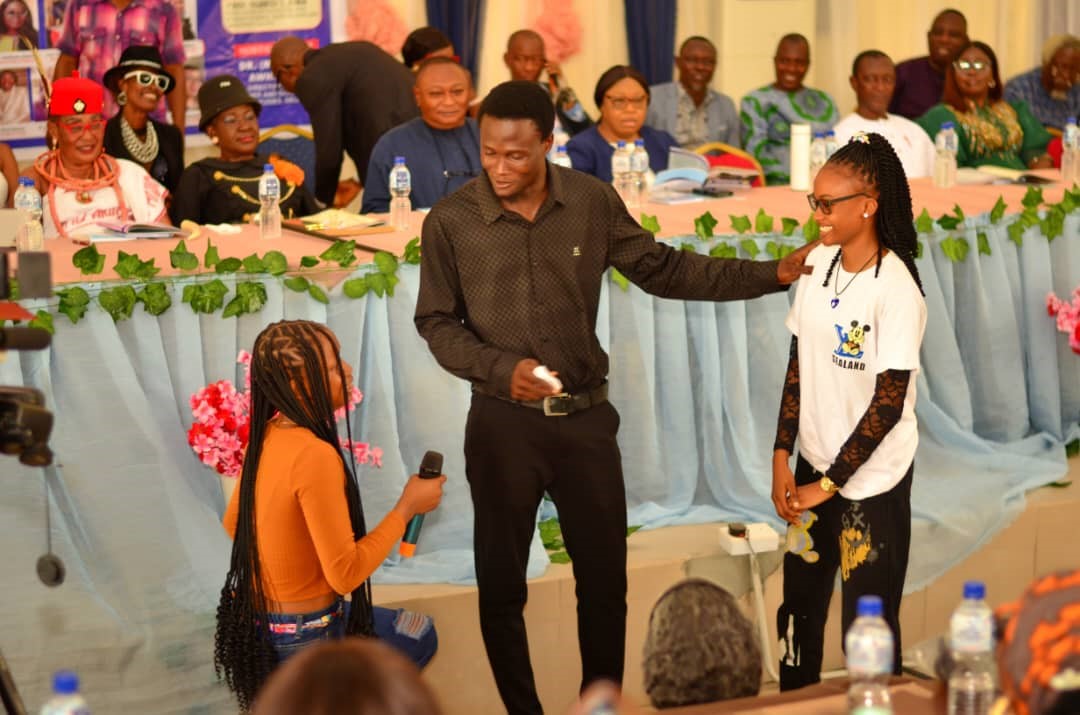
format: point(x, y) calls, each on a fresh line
point(965, 66)
point(145, 78)
point(826, 204)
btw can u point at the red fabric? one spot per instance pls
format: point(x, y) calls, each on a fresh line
point(1054, 149)
point(726, 159)
point(76, 95)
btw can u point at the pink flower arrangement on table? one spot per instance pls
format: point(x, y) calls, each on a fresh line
point(219, 434)
point(1068, 316)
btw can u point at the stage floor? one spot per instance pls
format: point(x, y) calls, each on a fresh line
point(1041, 540)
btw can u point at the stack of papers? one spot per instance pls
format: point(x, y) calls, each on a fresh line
point(110, 231)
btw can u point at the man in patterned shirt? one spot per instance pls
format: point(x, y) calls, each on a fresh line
point(510, 279)
point(96, 32)
point(769, 112)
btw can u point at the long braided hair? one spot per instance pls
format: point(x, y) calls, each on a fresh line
point(289, 371)
point(873, 159)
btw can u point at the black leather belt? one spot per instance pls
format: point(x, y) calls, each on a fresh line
point(567, 404)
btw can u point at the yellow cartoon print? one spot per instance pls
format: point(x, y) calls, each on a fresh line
point(851, 340)
point(799, 541)
point(856, 541)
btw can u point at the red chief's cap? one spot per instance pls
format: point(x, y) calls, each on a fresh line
point(76, 95)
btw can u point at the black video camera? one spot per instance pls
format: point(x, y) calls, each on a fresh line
point(25, 423)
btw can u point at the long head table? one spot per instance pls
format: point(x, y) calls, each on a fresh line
point(136, 517)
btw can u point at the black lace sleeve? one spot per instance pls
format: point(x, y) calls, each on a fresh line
point(884, 412)
point(787, 425)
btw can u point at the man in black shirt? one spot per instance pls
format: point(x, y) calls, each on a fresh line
point(510, 279)
point(353, 92)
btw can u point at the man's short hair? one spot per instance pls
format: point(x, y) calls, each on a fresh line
point(696, 38)
point(520, 99)
point(949, 11)
point(700, 648)
point(523, 35)
point(440, 60)
point(867, 55)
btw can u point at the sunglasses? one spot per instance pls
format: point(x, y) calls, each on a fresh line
point(965, 66)
point(145, 78)
point(826, 204)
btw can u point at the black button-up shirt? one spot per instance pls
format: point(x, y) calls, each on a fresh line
point(496, 288)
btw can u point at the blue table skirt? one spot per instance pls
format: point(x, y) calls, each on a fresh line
point(136, 516)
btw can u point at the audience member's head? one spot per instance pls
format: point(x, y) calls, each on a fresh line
point(1039, 651)
point(516, 119)
point(17, 20)
point(425, 42)
point(76, 127)
point(696, 62)
point(622, 94)
point(442, 92)
point(524, 55)
point(287, 61)
point(946, 37)
point(791, 62)
point(1060, 64)
point(8, 79)
point(973, 78)
point(700, 648)
point(230, 117)
point(354, 676)
point(873, 77)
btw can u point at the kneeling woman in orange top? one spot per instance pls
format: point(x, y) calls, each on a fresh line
point(300, 541)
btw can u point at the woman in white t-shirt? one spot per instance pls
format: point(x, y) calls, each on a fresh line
point(849, 395)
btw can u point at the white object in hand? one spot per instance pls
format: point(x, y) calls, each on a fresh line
point(544, 374)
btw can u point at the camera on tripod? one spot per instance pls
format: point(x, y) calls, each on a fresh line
point(25, 423)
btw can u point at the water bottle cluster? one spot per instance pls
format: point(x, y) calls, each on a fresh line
point(946, 146)
point(822, 147)
point(30, 236)
point(629, 169)
point(400, 188)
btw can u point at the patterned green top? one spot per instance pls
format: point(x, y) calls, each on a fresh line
point(1000, 134)
point(767, 116)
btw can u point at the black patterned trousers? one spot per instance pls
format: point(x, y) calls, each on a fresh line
point(868, 541)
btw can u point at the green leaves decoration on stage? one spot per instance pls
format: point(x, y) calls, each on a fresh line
point(205, 298)
point(998, 211)
point(739, 224)
point(723, 250)
point(155, 298)
point(952, 221)
point(651, 224)
point(924, 223)
point(118, 302)
point(955, 248)
point(788, 225)
point(73, 302)
point(182, 259)
point(811, 229)
point(412, 252)
point(43, 319)
point(250, 298)
point(704, 225)
point(88, 260)
point(552, 539)
point(763, 222)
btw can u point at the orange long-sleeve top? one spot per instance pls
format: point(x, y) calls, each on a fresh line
point(305, 538)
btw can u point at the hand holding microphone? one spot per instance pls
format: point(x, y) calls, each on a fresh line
point(422, 494)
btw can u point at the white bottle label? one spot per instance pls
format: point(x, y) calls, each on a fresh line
point(971, 633)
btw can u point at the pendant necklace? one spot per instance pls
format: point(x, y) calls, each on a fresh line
point(835, 301)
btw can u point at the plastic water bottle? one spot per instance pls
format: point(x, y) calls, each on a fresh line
point(639, 167)
point(30, 236)
point(869, 649)
point(269, 210)
point(620, 170)
point(400, 188)
point(66, 699)
point(831, 144)
point(818, 154)
point(946, 144)
point(1070, 153)
point(562, 158)
point(971, 636)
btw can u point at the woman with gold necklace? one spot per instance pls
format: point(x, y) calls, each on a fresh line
point(138, 82)
point(226, 189)
point(82, 187)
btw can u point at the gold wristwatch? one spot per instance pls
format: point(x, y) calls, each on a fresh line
point(827, 485)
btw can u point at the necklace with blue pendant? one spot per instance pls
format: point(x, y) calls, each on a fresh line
point(837, 292)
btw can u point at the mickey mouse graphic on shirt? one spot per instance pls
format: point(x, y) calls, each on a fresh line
point(851, 340)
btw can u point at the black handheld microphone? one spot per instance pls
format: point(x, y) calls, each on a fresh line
point(430, 468)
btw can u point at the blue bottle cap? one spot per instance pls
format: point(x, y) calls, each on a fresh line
point(620, 144)
point(399, 160)
point(819, 135)
point(268, 167)
point(947, 125)
point(25, 181)
point(870, 606)
point(561, 149)
point(974, 590)
point(1070, 120)
point(830, 133)
point(639, 142)
point(65, 682)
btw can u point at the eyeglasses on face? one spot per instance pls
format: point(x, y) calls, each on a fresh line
point(621, 103)
point(75, 127)
point(966, 66)
point(826, 205)
point(145, 78)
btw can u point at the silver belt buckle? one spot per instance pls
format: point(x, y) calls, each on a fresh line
point(557, 405)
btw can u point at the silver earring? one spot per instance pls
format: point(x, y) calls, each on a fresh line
point(865, 215)
point(213, 140)
point(121, 98)
point(992, 84)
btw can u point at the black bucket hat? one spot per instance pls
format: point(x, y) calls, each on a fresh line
point(220, 93)
point(137, 57)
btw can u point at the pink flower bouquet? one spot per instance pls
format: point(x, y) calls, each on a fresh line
point(1068, 316)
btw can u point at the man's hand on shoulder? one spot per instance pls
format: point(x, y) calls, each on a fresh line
point(526, 386)
point(793, 265)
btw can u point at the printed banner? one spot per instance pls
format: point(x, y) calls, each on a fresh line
point(220, 37)
point(238, 35)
